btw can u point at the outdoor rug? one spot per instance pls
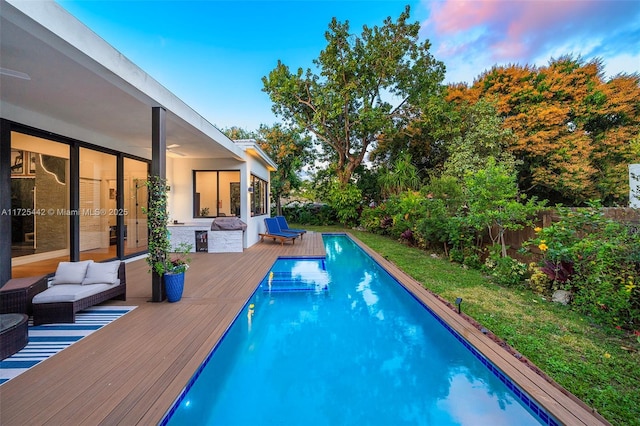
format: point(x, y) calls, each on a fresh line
point(48, 339)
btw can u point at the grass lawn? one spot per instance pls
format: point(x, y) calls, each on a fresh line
point(599, 365)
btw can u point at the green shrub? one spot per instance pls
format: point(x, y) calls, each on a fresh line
point(539, 281)
point(310, 214)
point(504, 271)
point(346, 200)
point(598, 259)
point(376, 219)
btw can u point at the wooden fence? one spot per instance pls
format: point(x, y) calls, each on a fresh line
point(515, 239)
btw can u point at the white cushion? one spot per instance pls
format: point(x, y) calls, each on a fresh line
point(70, 292)
point(102, 273)
point(71, 272)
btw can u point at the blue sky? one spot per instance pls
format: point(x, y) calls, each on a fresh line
point(213, 53)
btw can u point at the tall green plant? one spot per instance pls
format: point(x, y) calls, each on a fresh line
point(346, 200)
point(495, 203)
point(157, 219)
point(401, 177)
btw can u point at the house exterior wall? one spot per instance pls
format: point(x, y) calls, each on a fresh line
point(255, 224)
point(180, 179)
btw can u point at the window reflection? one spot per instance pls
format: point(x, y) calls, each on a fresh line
point(135, 200)
point(97, 208)
point(39, 199)
point(258, 196)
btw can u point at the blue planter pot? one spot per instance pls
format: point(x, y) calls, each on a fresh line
point(174, 285)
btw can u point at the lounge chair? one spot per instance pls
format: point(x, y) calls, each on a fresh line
point(284, 226)
point(274, 231)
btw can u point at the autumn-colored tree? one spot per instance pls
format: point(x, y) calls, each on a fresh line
point(575, 131)
point(365, 87)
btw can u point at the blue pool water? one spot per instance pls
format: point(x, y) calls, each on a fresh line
point(346, 345)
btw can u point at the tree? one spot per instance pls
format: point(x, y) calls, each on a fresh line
point(575, 131)
point(365, 87)
point(482, 135)
point(290, 151)
point(237, 133)
point(494, 202)
point(346, 200)
point(425, 138)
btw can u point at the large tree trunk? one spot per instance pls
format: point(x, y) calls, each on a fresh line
point(278, 206)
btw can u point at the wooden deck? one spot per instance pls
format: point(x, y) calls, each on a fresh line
point(130, 371)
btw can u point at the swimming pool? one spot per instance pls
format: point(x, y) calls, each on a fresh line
point(340, 341)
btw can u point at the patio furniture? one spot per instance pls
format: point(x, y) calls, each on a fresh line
point(284, 226)
point(72, 290)
point(17, 293)
point(274, 231)
point(14, 334)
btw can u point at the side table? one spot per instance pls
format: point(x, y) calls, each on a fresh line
point(17, 293)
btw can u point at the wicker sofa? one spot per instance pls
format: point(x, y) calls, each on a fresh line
point(70, 291)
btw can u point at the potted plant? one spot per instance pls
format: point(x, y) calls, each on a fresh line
point(176, 265)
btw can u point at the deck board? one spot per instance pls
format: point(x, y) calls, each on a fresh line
point(131, 371)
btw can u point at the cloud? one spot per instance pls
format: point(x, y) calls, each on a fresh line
point(472, 34)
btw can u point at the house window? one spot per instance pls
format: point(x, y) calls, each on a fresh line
point(258, 196)
point(216, 193)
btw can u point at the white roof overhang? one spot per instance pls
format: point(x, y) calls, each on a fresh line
point(81, 87)
point(252, 147)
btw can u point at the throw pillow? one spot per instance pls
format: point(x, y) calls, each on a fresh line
point(71, 272)
point(102, 273)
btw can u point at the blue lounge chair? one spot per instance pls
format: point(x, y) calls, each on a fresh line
point(284, 226)
point(274, 231)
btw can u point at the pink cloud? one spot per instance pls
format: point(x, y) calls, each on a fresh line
point(517, 30)
point(450, 17)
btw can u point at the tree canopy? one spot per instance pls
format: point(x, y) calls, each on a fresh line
point(287, 147)
point(290, 150)
point(366, 86)
point(576, 133)
point(482, 135)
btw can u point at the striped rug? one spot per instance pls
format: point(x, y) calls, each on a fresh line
point(49, 339)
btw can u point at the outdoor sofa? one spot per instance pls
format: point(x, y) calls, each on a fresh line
point(77, 286)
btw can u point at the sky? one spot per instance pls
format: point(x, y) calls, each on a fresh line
point(213, 53)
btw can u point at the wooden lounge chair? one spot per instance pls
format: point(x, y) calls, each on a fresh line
point(284, 226)
point(273, 231)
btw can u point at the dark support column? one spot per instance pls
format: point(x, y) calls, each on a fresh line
point(74, 202)
point(158, 168)
point(5, 202)
point(159, 142)
point(120, 218)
